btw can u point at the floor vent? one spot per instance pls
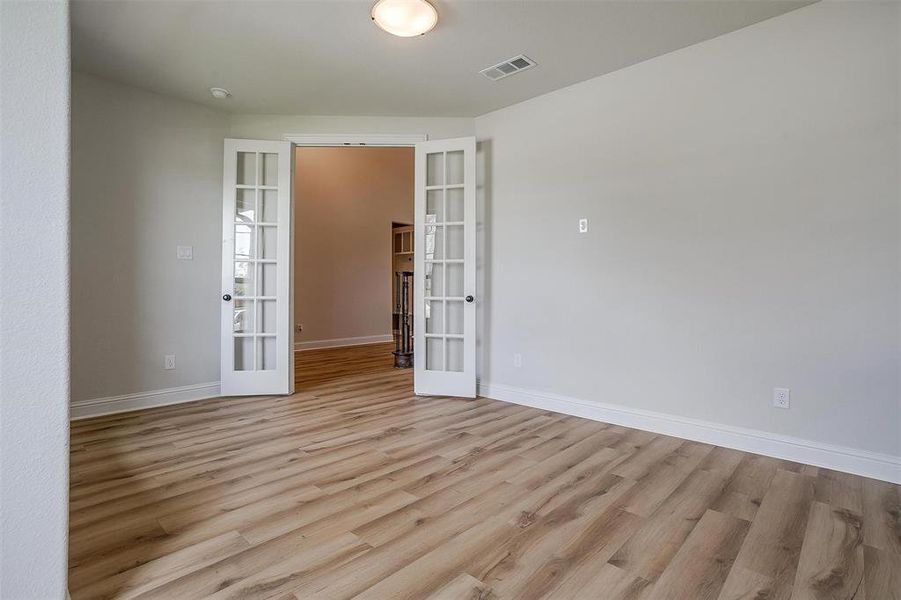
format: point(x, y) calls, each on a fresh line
point(509, 67)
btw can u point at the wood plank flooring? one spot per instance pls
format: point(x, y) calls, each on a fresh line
point(353, 487)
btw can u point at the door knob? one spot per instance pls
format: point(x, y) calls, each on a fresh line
point(227, 297)
point(469, 298)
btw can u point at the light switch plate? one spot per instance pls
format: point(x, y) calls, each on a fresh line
point(184, 252)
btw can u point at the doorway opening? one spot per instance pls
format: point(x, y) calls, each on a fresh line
point(353, 224)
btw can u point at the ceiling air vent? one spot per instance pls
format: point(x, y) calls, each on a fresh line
point(509, 67)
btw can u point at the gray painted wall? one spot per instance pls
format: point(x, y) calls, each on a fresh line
point(743, 197)
point(34, 299)
point(146, 177)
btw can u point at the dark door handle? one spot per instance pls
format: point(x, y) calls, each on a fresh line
point(469, 298)
point(227, 297)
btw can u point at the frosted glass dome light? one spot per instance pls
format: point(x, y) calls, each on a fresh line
point(404, 18)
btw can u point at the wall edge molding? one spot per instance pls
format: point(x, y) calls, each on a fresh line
point(341, 342)
point(96, 407)
point(884, 467)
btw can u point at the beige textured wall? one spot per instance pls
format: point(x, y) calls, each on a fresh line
point(345, 200)
point(34, 298)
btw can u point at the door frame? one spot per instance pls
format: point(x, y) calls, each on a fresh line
point(326, 140)
point(389, 140)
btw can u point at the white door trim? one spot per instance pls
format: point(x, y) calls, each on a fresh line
point(356, 139)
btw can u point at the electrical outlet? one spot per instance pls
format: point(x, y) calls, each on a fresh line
point(517, 360)
point(299, 327)
point(782, 397)
point(184, 252)
point(169, 362)
point(583, 225)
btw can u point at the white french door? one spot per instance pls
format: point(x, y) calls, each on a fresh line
point(445, 268)
point(257, 350)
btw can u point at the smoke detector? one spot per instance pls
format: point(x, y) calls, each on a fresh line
point(219, 93)
point(511, 66)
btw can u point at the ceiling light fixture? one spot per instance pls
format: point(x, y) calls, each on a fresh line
point(405, 18)
point(219, 93)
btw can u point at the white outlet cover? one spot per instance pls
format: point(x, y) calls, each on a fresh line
point(184, 252)
point(169, 362)
point(782, 397)
point(583, 225)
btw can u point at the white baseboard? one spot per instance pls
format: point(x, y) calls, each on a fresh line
point(850, 460)
point(95, 407)
point(340, 342)
point(840, 458)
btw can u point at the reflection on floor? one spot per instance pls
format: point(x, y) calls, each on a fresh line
point(353, 486)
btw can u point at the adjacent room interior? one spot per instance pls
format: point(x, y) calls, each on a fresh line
point(353, 228)
point(438, 299)
point(349, 204)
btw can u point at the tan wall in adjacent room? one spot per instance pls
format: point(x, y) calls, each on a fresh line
point(345, 201)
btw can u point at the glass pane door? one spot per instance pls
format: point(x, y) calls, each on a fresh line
point(445, 267)
point(445, 230)
point(255, 261)
point(257, 355)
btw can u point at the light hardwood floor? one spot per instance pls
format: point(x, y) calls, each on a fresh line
point(353, 487)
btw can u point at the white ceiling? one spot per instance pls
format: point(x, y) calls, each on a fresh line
point(328, 58)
